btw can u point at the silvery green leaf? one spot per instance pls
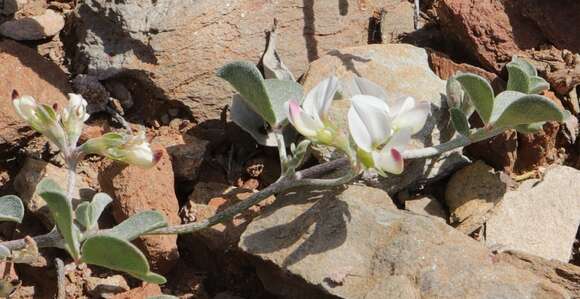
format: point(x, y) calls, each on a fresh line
point(251, 122)
point(538, 84)
point(274, 67)
point(280, 92)
point(118, 254)
point(518, 79)
point(515, 108)
point(61, 210)
point(137, 225)
point(11, 208)
point(526, 66)
point(454, 92)
point(529, 128)
point(245, 77)
point(459, 120)
point(480, 94)
point(87, 214)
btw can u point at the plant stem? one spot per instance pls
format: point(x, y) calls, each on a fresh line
point(71, 177)
point(60, 279)
point(281, 150)
point(301, 178)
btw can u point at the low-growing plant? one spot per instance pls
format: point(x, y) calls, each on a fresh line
point(375, 138)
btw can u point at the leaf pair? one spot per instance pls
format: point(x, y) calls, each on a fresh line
point(110, 248)
point(259, 99)
point(523, 77)
point(510, 109)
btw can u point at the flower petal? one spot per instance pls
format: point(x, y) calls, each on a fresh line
point(402, 105)
point(414, 119)
point(305, 124)
point(25, 106)
point(389, 160)
point(374, 113)
point(400, 140)
point(318, 100)
point(358, 131)
point(363, 86)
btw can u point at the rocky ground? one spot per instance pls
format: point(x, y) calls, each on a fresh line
point(499, 219)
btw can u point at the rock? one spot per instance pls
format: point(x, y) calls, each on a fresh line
point(399, 69)
point(204, 191)
point(224, 235)
point(187, 153)
point(33, 28)
point(147, 290)
point(500, 152)
point(10, 7)
point(328, 244)
point(397, 20)
point(564, 274)
point(164, 44)
point(472, 192)
point(30, 74)
point(427, 206)
point(106, 287)
point(93, 91)
point(445, 67)
point(135, 190)
point(541, 217)
point(31, 173)
point(493, 31)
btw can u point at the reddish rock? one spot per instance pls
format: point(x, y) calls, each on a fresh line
point(537, 149)
point(30, 74)
point(445, 67)
point(490, 31)
point(186, 151)
point(135, 190)
point(500, 152)
point(39, 27)
point(145, 291)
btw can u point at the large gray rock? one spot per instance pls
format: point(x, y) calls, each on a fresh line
point(39, 27)
point(541, 217)
point(402, 70)
point(174, 47)
point(355, 244)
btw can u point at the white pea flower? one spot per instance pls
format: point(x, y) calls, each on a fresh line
point(41, 118)
point(382, 132)
point(131, 149)
point(74, 117)
point(311, 120)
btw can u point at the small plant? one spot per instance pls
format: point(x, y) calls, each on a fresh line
point(376, 137)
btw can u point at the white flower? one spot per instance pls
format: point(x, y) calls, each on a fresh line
point(311, 120)
point(131, 149)
point(41, 118)
point(382, 132)
point(74, 117)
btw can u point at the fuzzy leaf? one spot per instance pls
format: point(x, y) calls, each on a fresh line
point(280, 92)
point(518, 79)
point(251, 122)
point(88, 214)
point(61, 210)
point(514, 108)
point(246, 79)
point(274, 67)
point(480, 93)
point(459, 120)
point(117, 254)
point(529, 128)
point(527, 67)
point(11, 208)
point(537, 85)
point(137, 225)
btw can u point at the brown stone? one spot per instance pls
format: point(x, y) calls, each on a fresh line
point(499, 151)
point(145, 291)
point(135, 190)
point(491, 31)
point(30, 74)
point(33, 28)
point(172, 58)
point(445, 67)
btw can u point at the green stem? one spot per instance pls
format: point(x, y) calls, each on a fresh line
point(281, 150)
